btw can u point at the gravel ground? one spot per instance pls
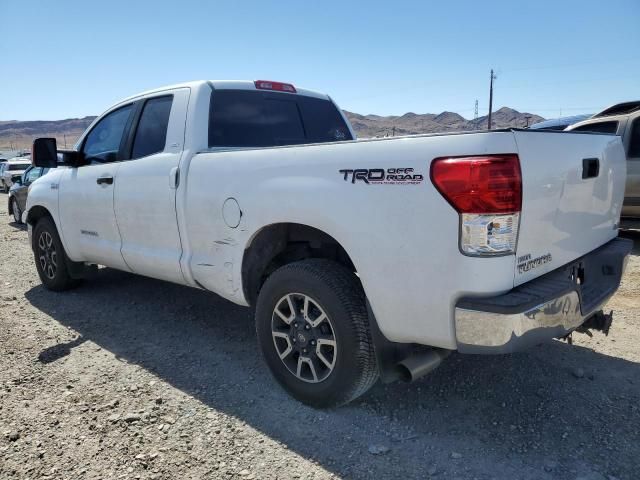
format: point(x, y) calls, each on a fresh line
point(129, 377)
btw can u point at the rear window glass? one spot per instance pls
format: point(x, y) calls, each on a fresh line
point(600, 127)
point(18, 166)
point(245, 118)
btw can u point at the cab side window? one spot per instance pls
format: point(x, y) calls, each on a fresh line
point(634, 141)
point(103, 142)
point(151, 134)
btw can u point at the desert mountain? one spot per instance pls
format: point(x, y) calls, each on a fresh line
point(20, 134)
point(413, 123)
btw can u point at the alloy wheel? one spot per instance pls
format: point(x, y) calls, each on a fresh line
point(16, 211)
point(47, 255)
point(304, 337)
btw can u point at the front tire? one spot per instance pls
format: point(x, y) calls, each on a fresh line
point(313, 331)
point(15, 209)
point(50, 257)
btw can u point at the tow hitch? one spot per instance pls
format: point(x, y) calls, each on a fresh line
point(598, 321)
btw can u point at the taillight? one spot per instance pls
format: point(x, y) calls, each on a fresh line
point(487, 192)
point(277, 86)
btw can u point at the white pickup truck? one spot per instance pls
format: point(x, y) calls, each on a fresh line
point(362, 259)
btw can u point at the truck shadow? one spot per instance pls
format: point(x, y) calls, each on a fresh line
point(18, 226)
point(525, 413)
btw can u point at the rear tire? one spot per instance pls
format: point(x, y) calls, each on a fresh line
point(315, 310)
point(15, 209)
point(50, 257)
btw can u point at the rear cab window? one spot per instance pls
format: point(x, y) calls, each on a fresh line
point(13, 167)
point(610, 127)
point(247, 118)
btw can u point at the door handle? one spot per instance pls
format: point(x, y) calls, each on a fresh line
point(108, 180)
point(590, 167)
point(174, 178)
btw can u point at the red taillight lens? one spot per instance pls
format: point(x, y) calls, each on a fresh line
point(479, 184)
point(277, 86)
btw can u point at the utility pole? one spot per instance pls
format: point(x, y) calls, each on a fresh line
point(475, 113)
point(493, 77)
point(65, 140)
point(394, 131)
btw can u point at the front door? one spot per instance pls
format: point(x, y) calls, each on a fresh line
point(86, 197)
point(145, 190)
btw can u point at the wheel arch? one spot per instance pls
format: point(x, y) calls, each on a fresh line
point(36, 212)
point(278, 244)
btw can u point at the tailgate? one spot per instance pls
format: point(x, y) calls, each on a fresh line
point(572, 193)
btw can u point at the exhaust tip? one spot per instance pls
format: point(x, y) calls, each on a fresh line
point(419, 364)
point(404, 374)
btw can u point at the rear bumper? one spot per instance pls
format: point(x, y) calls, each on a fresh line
point(547, 307)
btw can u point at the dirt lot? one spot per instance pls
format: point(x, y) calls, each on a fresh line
point(128, 377)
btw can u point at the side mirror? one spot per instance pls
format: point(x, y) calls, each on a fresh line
point(72, 158)
point(44, 153)
point(16, 179)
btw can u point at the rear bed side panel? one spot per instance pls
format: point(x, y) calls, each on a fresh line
point(403, 239)
point(565, 216)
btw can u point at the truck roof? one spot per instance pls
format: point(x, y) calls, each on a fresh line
point(624, 108)
point(224, 85)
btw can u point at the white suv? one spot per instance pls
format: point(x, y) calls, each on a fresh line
point(11, 168)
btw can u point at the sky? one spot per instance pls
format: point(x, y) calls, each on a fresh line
point(70, 58)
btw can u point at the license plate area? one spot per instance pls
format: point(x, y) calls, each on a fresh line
point(596, 276)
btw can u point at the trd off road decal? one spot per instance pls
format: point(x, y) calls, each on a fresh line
point(526, 263)
point(389, 176)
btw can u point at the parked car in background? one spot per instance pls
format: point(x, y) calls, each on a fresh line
point(20, 188)
point(622, 119)
point(11, 168)
point(559, 123)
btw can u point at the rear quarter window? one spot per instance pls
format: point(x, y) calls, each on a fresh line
point(246, 118)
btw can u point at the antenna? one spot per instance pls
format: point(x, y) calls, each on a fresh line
point(493, 77)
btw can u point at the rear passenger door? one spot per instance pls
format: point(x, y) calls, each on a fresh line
point(145, 189)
